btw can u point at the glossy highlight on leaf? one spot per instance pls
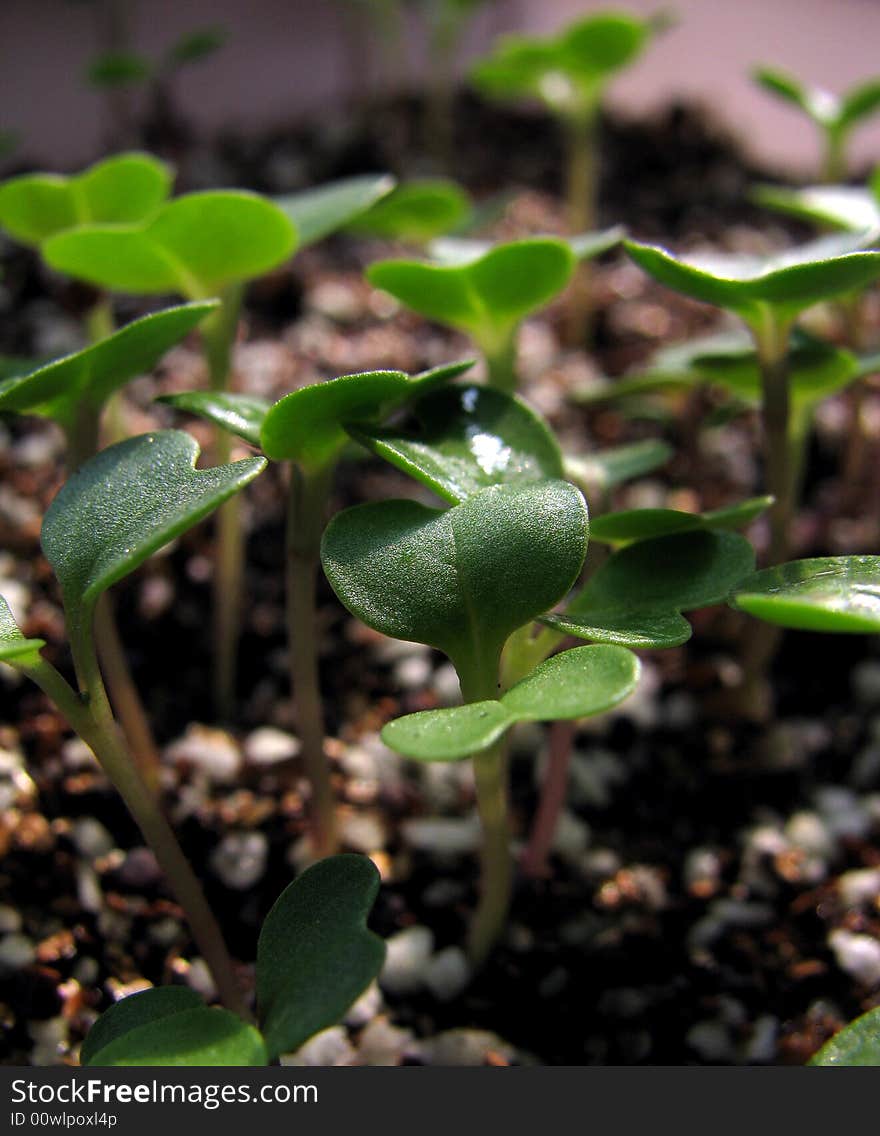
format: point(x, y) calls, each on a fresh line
point(575, 684)
point(318, 212)
point(831, 593)
point(469, 438)
point(125, 504)
point(637, 596)
point(197, 244)
point(486, 297)
point(119, 190)
point(14, 647)
point(58, 389)
point(315, 955)
point(240, 414)
point(858, 1043)
point(417, 210)
point(460, 579)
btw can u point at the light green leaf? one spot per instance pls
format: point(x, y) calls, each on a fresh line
point(858, 1043)
point(315, 955)
point(469, 438)
point(58, 389)
point(416, 211)
point(198, 245)
point(831, 593)
point(821, 105)
point(133, 1011)
point(14, 648)
point(848, 207)
point(318, 212)
point(575, 684)
point(240, 414)
point(460, 579)
point(198, 1037)
point(123, 189)
point(637, 596)
point(125, 504)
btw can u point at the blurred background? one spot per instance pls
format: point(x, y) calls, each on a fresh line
point(81, 75)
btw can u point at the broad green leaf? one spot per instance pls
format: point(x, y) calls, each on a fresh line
point(818, 103)
point(608, 468)
point(318, 212)
point(136, 1010)
point(486, 297)
point(197, 1037)
point(832, 593)
point(469, 438)
point(198, 245)
point(240, 414)
point(602, 44)
point(637, 596)
point(630, 525)
point(416, 211)
point(848, 207)
point(858, 1043)
point(315, 955)
point(58, 389)
point(309, 425)
point(460, 579)
point(14, 366)
point(125, 504)
point(575, 684)
point(789, 281)
point(14, 648)
point(123, 189)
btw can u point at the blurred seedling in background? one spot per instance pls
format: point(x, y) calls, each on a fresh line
point(416, 212)
point(73, 392)
point(117, 509)
point(315, 956)
point(309, 430)
point(569, 74)
point(487, 291)
point(834, 116)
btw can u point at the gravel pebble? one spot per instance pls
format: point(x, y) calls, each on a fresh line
point(10, 919)
point(363, 831)
point(859, 887)
point(406, 960)
point(16, 952)
point(330, 1047)
point(383, 1044)
point(91, 838)
point(212, 752)
point(443, 836)
point(448, 972)
point(843, 812)
point(711, 1041)
point(269, 746)
point(239, 860)
point(858, 955)
point(366, 1007)
point(467, 1047)
point(571, 838)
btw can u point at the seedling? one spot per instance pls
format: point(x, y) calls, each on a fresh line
point(486, 297)
point(768, 294)
point(309, 430)
point(314, 957)
point(856, 1044)
point(114, 512)
point(316, 213)
point(73, 393)
point(835, 116)
point(416, 212)
point(464, 580)
point(200, 245)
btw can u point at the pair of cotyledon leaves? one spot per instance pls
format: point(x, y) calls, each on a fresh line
point(315, 956)
point(837, 114)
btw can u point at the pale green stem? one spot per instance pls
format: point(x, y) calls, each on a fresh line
point(100, 324)
point(500, 355)
point(307, 504)
point(834, 159)
point(581, 207)
point(91, 718)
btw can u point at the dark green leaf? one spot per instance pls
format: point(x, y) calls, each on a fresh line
point(240, 414)
point(136, 1010)
point(14, 648)
point(832, 593)
point(637, 596)
point(125, 504)
point(416, 211)
point(856, 1044)
point(197, 1037)
point(318, 212)
point(58, 389)
point(575, 684)
point(645, 524)
point(315, 955)
point(469, 438)
point(460, 579)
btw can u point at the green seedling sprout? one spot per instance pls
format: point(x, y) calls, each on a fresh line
point(486, 297)
point(858, 1043)
point(200, 245)
point(464, 580)
point(124, 189)
point(114, 512)
point(308, 430)
point(416, 212)
point(835, 116)
point(73, 392)
point(318, 212)
point(768, 294)
point(315, 956)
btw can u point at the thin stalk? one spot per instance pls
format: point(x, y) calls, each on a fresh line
point(834, 158)
point(218, 338)
point(852, 309)
point(771, 342)
point(82, 444)
point(496, 876)
point(582, 177)
point(306, 509)
point(91, 717)
point(101, 323)
point(535, 860)
point(501, 363)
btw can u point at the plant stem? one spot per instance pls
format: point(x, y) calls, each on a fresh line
point(834, 160)
point(581, 191)
point(218, 338)
point(501, 363)
point(306, 508)
point(490, 779)
point(91, 717)
point(534, 861)
point(771, 342)
point(100, 323)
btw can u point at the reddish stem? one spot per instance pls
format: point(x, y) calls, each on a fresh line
point(535, 859)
